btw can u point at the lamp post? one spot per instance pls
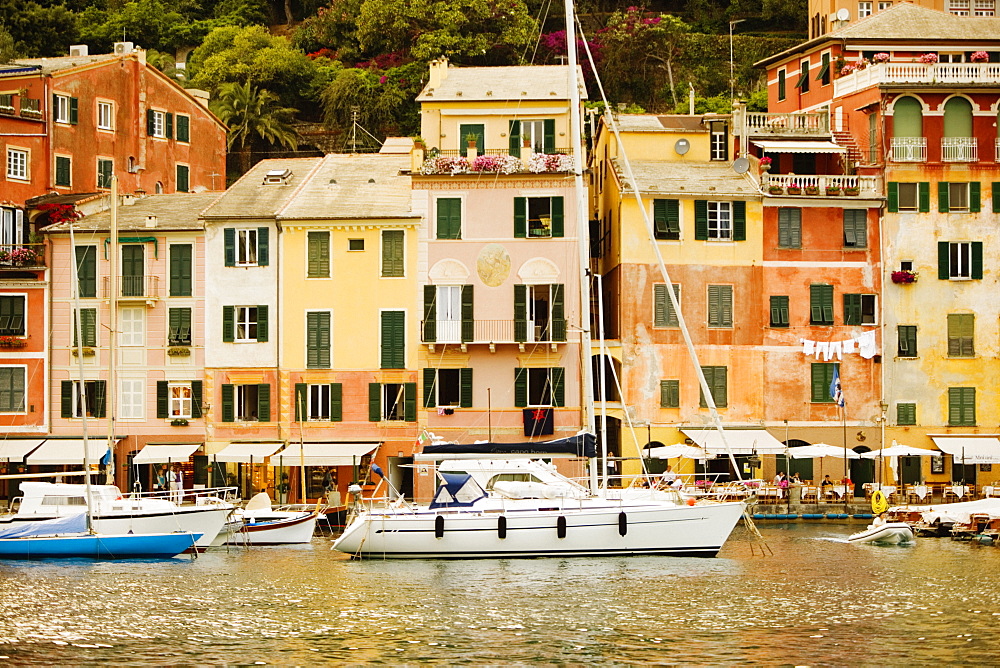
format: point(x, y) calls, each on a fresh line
point(732, 64)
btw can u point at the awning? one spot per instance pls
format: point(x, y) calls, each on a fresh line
point(161, 454)
point(741, 441)
point(973, 450)
point(242, 452)
point(68, 451)
point(322, 454)
point(776, 146)
point(14, 451)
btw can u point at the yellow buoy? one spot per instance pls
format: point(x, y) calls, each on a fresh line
point(879, 503)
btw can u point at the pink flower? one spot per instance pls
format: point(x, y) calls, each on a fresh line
point(880, 58)
point(979, 57)
point(929, 58)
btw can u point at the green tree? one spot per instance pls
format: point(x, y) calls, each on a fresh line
point(39, 30)
point(8, 52)
point(148, 23)
point(252, 113)
point(384, 100)
point(635, 48)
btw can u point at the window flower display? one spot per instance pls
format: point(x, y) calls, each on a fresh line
point(880, 58)
point(929, 58)
point(979, 57)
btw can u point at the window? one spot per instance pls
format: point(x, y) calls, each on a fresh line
point(246, 403)
point(179, 326)
point(824, 70)
point(131, 395)
point(246, 324)
point(105, 116)
point(183, 178)
point(247, 247)
point(666, 219)
point(93, 402)
point(961, 335)
point(178, 400)
point(719, 148)
point(959, 260)
point(318, 339)
point(864, 9)
point(12, 379)
point(962, 406)
point(133, 270)
point(538, 135)
point(855, 228)
point(393, 339)
point(984, 7)
point(781, 84)
point(670, 394)
point(86, 270)
point(907, 337)
point(909, 196)
point(105, 168)
point(17, 164)
point(392, 402)
point(449, 218)
point(822, 378)
point(448, 388)
point(159, 124)
point(88, 324)
point(664, 314)
point(183, 128)
point(64, 109)
point(538, 217)
point(539, 387)
point(720, 306)
point(959, 197)
point(789, 228)
point(392, 254)
point(779, 311)
point(820, 304)
point(12, 228)
point(721, 221)
point(132, 326)
point(12, 315)
point(539, 313)
point(319, 402)
point(717, 379)
point(958, 7)
point(180, 270)
point(906, 414)
point(884, 4)
point(355, 244)
point(803, 83)
point(64, 171)
point(859, 309)
point(318, 254)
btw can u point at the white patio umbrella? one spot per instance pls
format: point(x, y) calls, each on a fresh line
point(900, 451)
point(820, 450)
point(678, 450)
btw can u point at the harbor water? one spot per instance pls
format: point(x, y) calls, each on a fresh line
point(817, 600)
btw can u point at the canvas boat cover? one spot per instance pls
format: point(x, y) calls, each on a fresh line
point(59, 526)
point(457, 490)
point(580, 445)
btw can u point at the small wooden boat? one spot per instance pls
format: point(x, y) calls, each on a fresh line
point(890, 533)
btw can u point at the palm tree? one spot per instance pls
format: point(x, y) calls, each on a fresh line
point(250, 111)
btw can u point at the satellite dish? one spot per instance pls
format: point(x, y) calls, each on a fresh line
point(741, 165)
point(682, 146)
point(843, 14)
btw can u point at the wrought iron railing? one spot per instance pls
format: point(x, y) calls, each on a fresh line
point(134, 287)
point(909, 149)
point(492, 331)
point(959, 149)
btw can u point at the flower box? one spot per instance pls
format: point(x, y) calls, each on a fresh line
point(832, 190)
point(775, 190)
point(812, 190)
point(852, 191)
point(794, 190)
point(179, 422)
point(904, 277)
point(86, 350)
point(12, 342)
point(178, 351)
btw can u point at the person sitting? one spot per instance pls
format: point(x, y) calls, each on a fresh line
point(668, 477)
point(826, 481)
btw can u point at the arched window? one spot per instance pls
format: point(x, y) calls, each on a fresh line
point(957, 143)
point(908, 141)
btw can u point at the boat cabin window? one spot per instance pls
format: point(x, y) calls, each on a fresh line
point(52, 500)
point(511, 477)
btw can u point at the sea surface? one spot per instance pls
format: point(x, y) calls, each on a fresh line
point(815, 601)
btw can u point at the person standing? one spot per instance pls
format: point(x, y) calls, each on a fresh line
point(162, 478)
point(177, 485)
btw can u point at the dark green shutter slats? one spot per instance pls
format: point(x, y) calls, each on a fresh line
point(520, 313)
point(169, 126)
point(975, 197)
point(660, 218)
point(63, 171)
point(821, 304)
point(449, 218)
point(977, 259)
point(558, 313)
point(996, 196)
point(150, 123)
point(669, 393)
point(392, 254)
point(468, 323)
point(700, 220)
point(162, 399)
point(520, 387)
point(66, 399)
point(430, 313)
point(263, 402)
point(393, 340)
point(230, 240)
point(374, 402)
point(318, 254)
point(301, 402)
point(100, 397)
point(852, 309)
point(262, 323)
point(558, 378)
point(228, 403)
point(520, 217)
point(197, 392)
point(943, 264)
point(74, 110)
point(318, 340)
point(465, 388)
point(943, 204)
point(558, 218)
point(336, 402)
point(410, 402)
point(514, 139)
point(86, 262)
point(180, 270)
point(924, 196)
point(430, 378)
point(549, 140)
point(183, 128)
point(183, 178)
point(739, 221)
point(263, 247)
point(228, 324)
point(892, 197)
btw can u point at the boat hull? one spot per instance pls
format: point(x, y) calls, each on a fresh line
point(893, 533)
point(586, 529)
point(98, 546)
point(276, 529)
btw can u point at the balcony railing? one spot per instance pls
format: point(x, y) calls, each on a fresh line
point(492, 331)
point(909, 149)
point(811, 184)
point(917, 73)
point(31, 107)
point(959, 149)
point(134, 287)
point(765, 123)
point(7, 103)
point(22, 256)
point(496, 161)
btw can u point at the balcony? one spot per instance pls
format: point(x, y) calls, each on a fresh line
point(496, 161)
point(881, 74)
point(31, 108)
point(959, 149)
point(134, 288)
point(790, 125)
point(909, 149)
point(22, 256)
point(798, 185)
point(492, 332)
point(7, 104)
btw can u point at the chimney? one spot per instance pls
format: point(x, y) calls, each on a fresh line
point(438, 72)
point(150, 221)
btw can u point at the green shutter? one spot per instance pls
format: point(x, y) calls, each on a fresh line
point(263, 402)
point(301, 401)
point(892, 197)
point(63, 171)
point(943, 205)
point(558, 218)
point(229, 235)
point(66, 399)
point(670, 391)
point(392, 253)
point(449, 218)
point(393, 340)
point(180, 270)
point(977, 259)
point(520, 217)
point(262, 323)
point(465, 388)
point(228, 323)
point(924, 196)
point(183, 128)
point(739, 221)
point(263, 247)
point(410, 402)
point(514, 139)
point(468, 323)
point(549, 140)
point(228, 404)
point(558, 312)
point(100, 397)
point(162, 399)
point(430, 313)
point(150, 123)
point(943, 262)
point(197, 392)
point(430, 378)
point(374, 402)
point(700, 220)
point(169, 126)
point(660, 218)
point(318, 254)
point(86, 262)
point(820, 384)
point(996, 196)
point(336, 402)
point(318, 340)
point(557, 376)
point(779, 311)
point(975, 196)
point(74, 111)
point(852, 309)
point(520, 313)
point(821, 304)
point(520, 387)
point(906, 414)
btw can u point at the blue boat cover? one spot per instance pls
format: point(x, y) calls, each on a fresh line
point(458, 490)
point(581, 445)
point(59, 526)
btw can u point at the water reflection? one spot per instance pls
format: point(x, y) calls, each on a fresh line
point(816, 601)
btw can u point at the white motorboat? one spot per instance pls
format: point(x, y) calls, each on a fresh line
point(263, 525)
point(889, 533)
point(115, 513)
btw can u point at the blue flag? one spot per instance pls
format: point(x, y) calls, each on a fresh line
point(377, 470)
point(836, 393)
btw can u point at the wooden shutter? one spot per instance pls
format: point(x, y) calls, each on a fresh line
point(262, 323)
point(820, 383)
point(975, 197)
point(700, 219)
point(558, 217)
point(558, 312)
point(430, 314)
point(228, 403)
point(557, 376)
point(549, 138)
point(924, 196)
point(996, 196)
point(520, 217)
point(162, 399)
point(906, 414)
point(263, 247)
point(263, 402)
point(74, 111)
point(228, 323)
point(720, 306)
point(197, 392)
point(62, 171)
point(336, 402)
point(739, 221)
point(977, 259)
point(318, 254)
point(660, 218)
point(169, 125)
point(670, 393)
point(392, 253)
point(410, 402)
point(944, 264)
point(779, 311)
point(393, 340)
point(100, 397)
point(183, 128)
point(465, 388)
point(86, 262)
point(430, 379)
point(892, 196)
point(229, 235)
point(180, 270)
point(514, 139)
point(66, 399)
point(374, 402)
point(150, 123)
point(301, 402)
point(852, 309)
point(318, 340)
point(520, 387)
point(943, 205)
point(520, 313)
point(468, 323)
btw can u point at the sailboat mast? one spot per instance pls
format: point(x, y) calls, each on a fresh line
point(111, 394)
point(82, 386)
